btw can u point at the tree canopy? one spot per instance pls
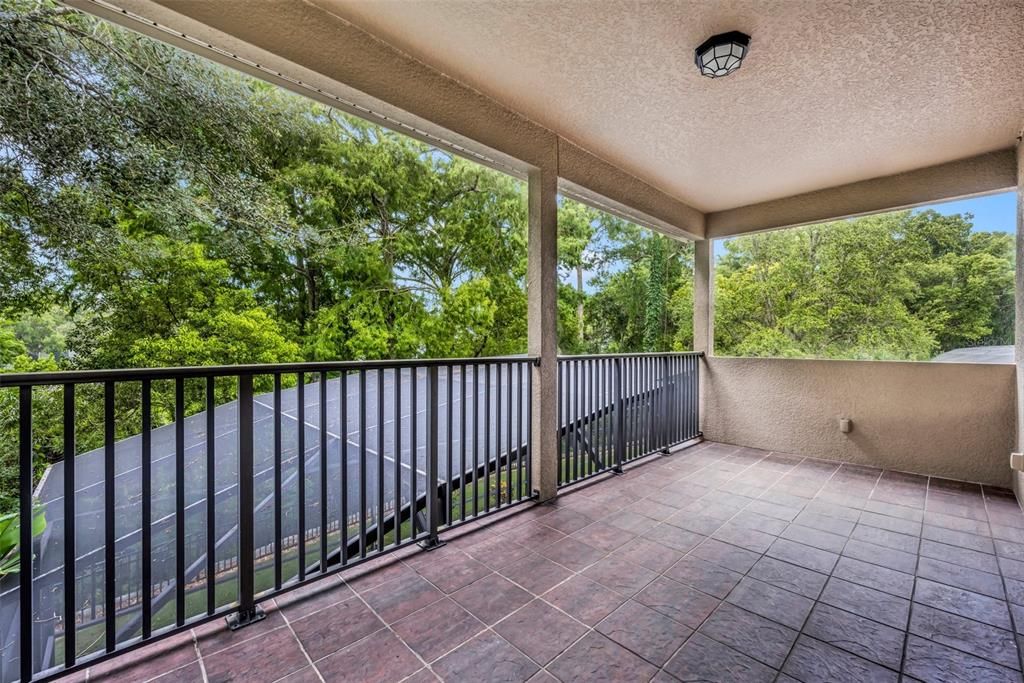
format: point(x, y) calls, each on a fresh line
point(896, 286)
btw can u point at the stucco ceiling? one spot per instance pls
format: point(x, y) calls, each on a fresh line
point(831, 93)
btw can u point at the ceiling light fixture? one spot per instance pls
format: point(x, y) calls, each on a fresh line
point(722, 54)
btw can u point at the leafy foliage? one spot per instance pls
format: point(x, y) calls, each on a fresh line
point(899, 286)
point(10, 531)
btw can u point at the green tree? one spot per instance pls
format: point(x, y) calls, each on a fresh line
point(899, 285)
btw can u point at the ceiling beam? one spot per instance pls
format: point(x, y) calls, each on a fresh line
point(306, 49)
point(596, 182)
point(982, 174)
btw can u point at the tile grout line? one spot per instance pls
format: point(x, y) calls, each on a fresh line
point(593, 629)
point(387, 625)
point(302, 647)
point(800, 631)
point(587, 629)
point(199, 656)
point(913, 590)
point(688, 553)
point(1002, 580)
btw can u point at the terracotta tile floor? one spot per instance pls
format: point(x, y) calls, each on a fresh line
point(715, 563)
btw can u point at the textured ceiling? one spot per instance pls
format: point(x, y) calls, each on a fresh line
point(831, 93)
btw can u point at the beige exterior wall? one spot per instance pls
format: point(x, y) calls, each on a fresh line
point(942, 419)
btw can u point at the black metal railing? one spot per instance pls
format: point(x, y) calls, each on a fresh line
point(197, 493)
point(618, 408)
point(203, 491)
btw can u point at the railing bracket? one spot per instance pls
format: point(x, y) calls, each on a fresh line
point(241, 619)
point(429, 544)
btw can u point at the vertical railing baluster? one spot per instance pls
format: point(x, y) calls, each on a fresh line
point(581, 418)
point(476, 438)
point(397, 450)
point(450, 444)
point(634, 394)
point(323, 472)
point(109, 521)
point(25, 513)
point(688, 386)
point(520, 445)
point(625, 385)
point(362, 463)
point(508, 431)
point(688, 396)
point(147, 508)
point(619, 421)
point(648, 394)
point(433, 501)
point(644, 406)
point(278, 485)
point(677, 398)
point(487, 437)
point(684, 406)
point(673, 400)
point(696, 396)
point(300, 421)
point(608, 403)
point(462, 442)
point(414, 446)
point(344, 468)
point(601, 414)
point(587, 382)
point(529, 431)
point(497, 433)
point(380, 460)
point(248, 610)
point(211, 493)
point(645, 403)
point(575, 420)
point(592, 408)
point(560, 399)
point(70, 646)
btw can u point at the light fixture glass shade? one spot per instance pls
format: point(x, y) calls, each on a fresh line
point(722, 54)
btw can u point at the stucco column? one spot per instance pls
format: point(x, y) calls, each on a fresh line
point(703, 295)
point(1018, 327)
point(542, 295)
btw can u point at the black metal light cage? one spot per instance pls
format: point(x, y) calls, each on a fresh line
point(721, 54)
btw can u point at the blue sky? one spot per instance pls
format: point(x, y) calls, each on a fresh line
point(992, 213)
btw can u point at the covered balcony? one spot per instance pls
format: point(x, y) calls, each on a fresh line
point(685, 516)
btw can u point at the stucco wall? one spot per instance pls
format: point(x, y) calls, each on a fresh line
point(943, 419)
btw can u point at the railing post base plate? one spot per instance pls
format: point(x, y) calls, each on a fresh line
point(429, 544)
point(240, 620)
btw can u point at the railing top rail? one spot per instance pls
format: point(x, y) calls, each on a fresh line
point(198, 372)
point(657, 354)
point(138, 374)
